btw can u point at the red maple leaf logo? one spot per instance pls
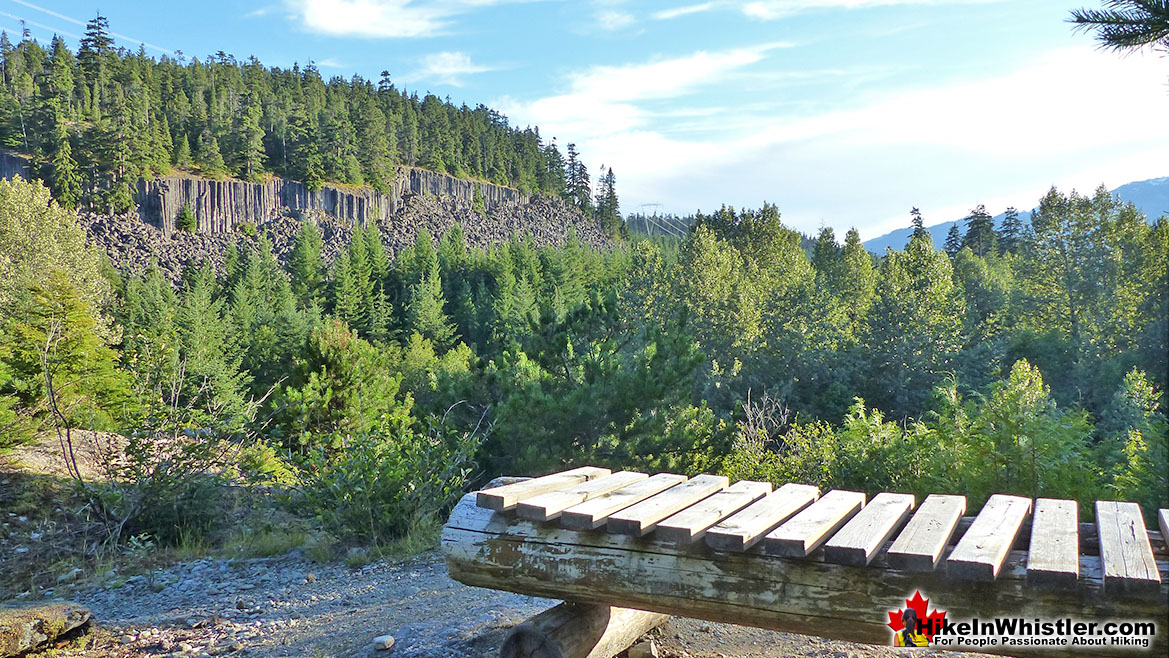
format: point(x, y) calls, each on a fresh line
point(930, 622)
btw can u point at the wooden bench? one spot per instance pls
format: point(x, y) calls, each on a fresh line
point(832, 564)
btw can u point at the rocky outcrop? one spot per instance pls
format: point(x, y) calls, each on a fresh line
point(134, 245)
point(24, 627)
point(12, 164)
point(220, 205)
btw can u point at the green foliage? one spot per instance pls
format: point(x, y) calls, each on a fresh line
point(38, 237)
point(186, 220)
point(341, 392)
point(388, 482)
point(247, 228)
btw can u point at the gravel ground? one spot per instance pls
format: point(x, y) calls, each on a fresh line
point(290, 606)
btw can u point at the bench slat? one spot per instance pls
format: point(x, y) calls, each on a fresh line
point(1163, 521)
point(1054, 554)
point(547, 507)
point(691, 524)
point(858, 541)
point(747, 527)
point(641, 519)
point(592, 514)
point(1125, 550)
point(802, 534)
point(980, 553)
point(508, 496)
point(920, 545)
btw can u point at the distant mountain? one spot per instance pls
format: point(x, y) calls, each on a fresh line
point(1151, 196)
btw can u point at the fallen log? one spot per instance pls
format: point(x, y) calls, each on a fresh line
point(579, 630)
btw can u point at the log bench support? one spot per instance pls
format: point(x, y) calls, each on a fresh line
point(579, 630)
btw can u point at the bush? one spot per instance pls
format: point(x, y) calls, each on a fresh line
point(186, 220)
point(247, 228)
point(384, 485)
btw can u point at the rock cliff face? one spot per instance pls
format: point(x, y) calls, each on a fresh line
point(12, 164)
point(220, 205)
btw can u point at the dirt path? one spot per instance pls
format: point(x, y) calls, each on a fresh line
point(289, 606)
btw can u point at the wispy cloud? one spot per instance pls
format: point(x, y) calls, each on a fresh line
point(384, 18)
point(614, 19)
point(445, 68)
point(947, 147)
point(772, 9)
point(330, 63)
point(70, 19)
point(685, 10)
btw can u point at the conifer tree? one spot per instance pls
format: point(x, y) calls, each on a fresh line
point(426, 315)
point(305, 265)
point(917, 222)
point(980, 235)
point(1011, 233)
point(953, 240)
point(65, 181)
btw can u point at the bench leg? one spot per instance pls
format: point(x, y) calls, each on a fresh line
point(579, 630)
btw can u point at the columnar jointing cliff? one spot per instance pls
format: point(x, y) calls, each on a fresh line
point(219, 205)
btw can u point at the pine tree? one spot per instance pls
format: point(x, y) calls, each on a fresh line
point(210, 160)
point(917, 222)
point(426, 315)
point(182, 151)
point(1011, 233)
point(248, 154)
point(306, 266)
point(953, 240)
point(65, 181)
point(980, 235)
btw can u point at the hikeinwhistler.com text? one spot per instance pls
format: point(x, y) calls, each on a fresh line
point(1020, 632)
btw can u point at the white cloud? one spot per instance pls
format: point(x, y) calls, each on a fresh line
point(772, 9)
point(685, 10)
point(1001, 140)
point(383, 18)
point(612, 19)
point(330, 63)
point(445, 68)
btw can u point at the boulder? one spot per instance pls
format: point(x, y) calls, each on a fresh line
point(24, 627)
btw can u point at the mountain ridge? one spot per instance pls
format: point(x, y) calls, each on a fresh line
point(1150, 196)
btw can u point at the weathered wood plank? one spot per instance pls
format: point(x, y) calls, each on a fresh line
point(592, 514)
point(748, 526)
point(691, 524)
point(806, 531)
point(858, 541)
point(808, 596)
point(640, 519)
point(547, 507)
point(980, 553)
point(579, 630)
point(503, 498)
point(920, 545)
point(1163, 521)
point(1053, 556)
point(1125, 551)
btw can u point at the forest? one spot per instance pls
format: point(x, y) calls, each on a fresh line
point(95, 121)
point(1027, 359)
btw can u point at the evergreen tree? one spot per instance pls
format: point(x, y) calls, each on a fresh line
point(65, 180)
point(426, 315)
point(306, 265)
point(953, 240)
point(980, 235)
point(1010, 235)
point(917, 222)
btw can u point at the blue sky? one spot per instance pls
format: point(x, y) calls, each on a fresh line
point(842, 112)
